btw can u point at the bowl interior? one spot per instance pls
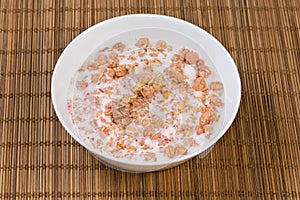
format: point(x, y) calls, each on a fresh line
point(128, 29)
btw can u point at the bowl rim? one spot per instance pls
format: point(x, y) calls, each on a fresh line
point(140, 163)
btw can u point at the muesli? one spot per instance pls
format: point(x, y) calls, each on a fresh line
point(150, 102)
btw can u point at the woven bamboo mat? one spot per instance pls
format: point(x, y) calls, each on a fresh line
point(257, 158)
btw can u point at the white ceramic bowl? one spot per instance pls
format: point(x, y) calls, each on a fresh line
point(132, 27)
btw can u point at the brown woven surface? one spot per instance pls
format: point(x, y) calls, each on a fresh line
point(257, 158)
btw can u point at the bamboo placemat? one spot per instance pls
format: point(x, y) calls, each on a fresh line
point(257, 158)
